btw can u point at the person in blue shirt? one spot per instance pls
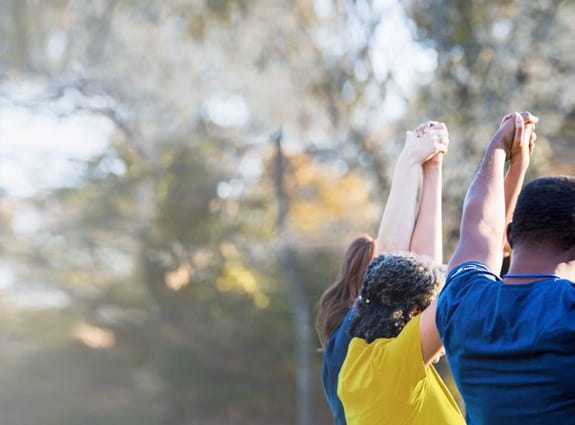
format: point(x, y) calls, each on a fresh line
point(403, 228)
point(510, 341)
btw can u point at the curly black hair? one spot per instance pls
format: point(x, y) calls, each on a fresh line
point(545, 213)
point(396, 287)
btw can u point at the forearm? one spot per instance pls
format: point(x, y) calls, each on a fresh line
point(427, 236)
point(398, 218)
point(484, 208)
point(483, 219)
point(513, 183)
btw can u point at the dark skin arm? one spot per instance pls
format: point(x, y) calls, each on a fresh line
point(484, 216)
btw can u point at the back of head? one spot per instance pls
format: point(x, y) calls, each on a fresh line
point(396, 288)
point(545, 214)
point(338, 298)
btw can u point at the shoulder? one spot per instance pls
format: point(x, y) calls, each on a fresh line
point(390, 356)
point(337, 343)
point(460, 278)
point(382, 348)
point(465, 281)
point(405, 348)
point(470, 269)
point(566, 294)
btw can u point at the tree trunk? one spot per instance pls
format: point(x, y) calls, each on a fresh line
point(289, 268)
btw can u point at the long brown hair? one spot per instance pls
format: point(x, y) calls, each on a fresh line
point(338, 298)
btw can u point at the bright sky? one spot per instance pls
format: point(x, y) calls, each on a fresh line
point(40, 152)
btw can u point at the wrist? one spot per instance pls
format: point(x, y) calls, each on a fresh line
point(498, 144)
point(434, 164)
point(406, 159)
point(519, 162)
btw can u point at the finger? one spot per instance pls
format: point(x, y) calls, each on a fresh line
point(442, 135)
point(505, 118)
point(526, 140)
point(519, 129)
point(439, 126)
point(422, 125)
point(420, 130)
point(529, 117)
point(532, 143)
point(439, 138)
point(438, 129)
point(530, 128)
point(441, 149)
point(443, 143)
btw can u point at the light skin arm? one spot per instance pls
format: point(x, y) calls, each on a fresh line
point(427, 235)
point(427, 240)
point(399, 214)
point(432, 233)
point(397, 224)
point(397, 230)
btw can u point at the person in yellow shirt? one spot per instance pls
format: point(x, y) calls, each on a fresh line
point(385, 378)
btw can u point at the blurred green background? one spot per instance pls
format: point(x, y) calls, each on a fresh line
point(180, 179)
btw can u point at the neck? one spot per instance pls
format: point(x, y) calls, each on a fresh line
point(541, 260)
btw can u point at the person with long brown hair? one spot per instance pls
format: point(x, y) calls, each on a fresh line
point(402, 228)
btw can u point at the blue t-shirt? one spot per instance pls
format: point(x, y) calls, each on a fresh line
point(511, 347)
point(335, 350)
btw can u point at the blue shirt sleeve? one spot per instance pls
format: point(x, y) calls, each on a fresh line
point(464, 269)
point(458, 283)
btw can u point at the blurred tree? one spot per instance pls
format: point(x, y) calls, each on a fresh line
point(494, 58)
point(171, 280)
point(179, 220)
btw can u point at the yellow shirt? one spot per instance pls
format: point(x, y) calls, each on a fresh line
point(386, 382)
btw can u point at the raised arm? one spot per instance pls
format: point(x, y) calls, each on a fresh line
point(427, 236)
point(427, 239)
point(483, 220)
point(488, 208)
point(515, 177)
point(397, 223)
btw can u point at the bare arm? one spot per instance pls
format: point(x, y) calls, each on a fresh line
point(398, 217)
point(515, 178)
point(427, 236)
point(488, 207)
point(397, 224)
point(483, 220)
point(431, 221)
point(428, 240)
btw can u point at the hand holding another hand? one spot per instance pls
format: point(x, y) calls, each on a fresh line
point(427, 142)
point(517, 135)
